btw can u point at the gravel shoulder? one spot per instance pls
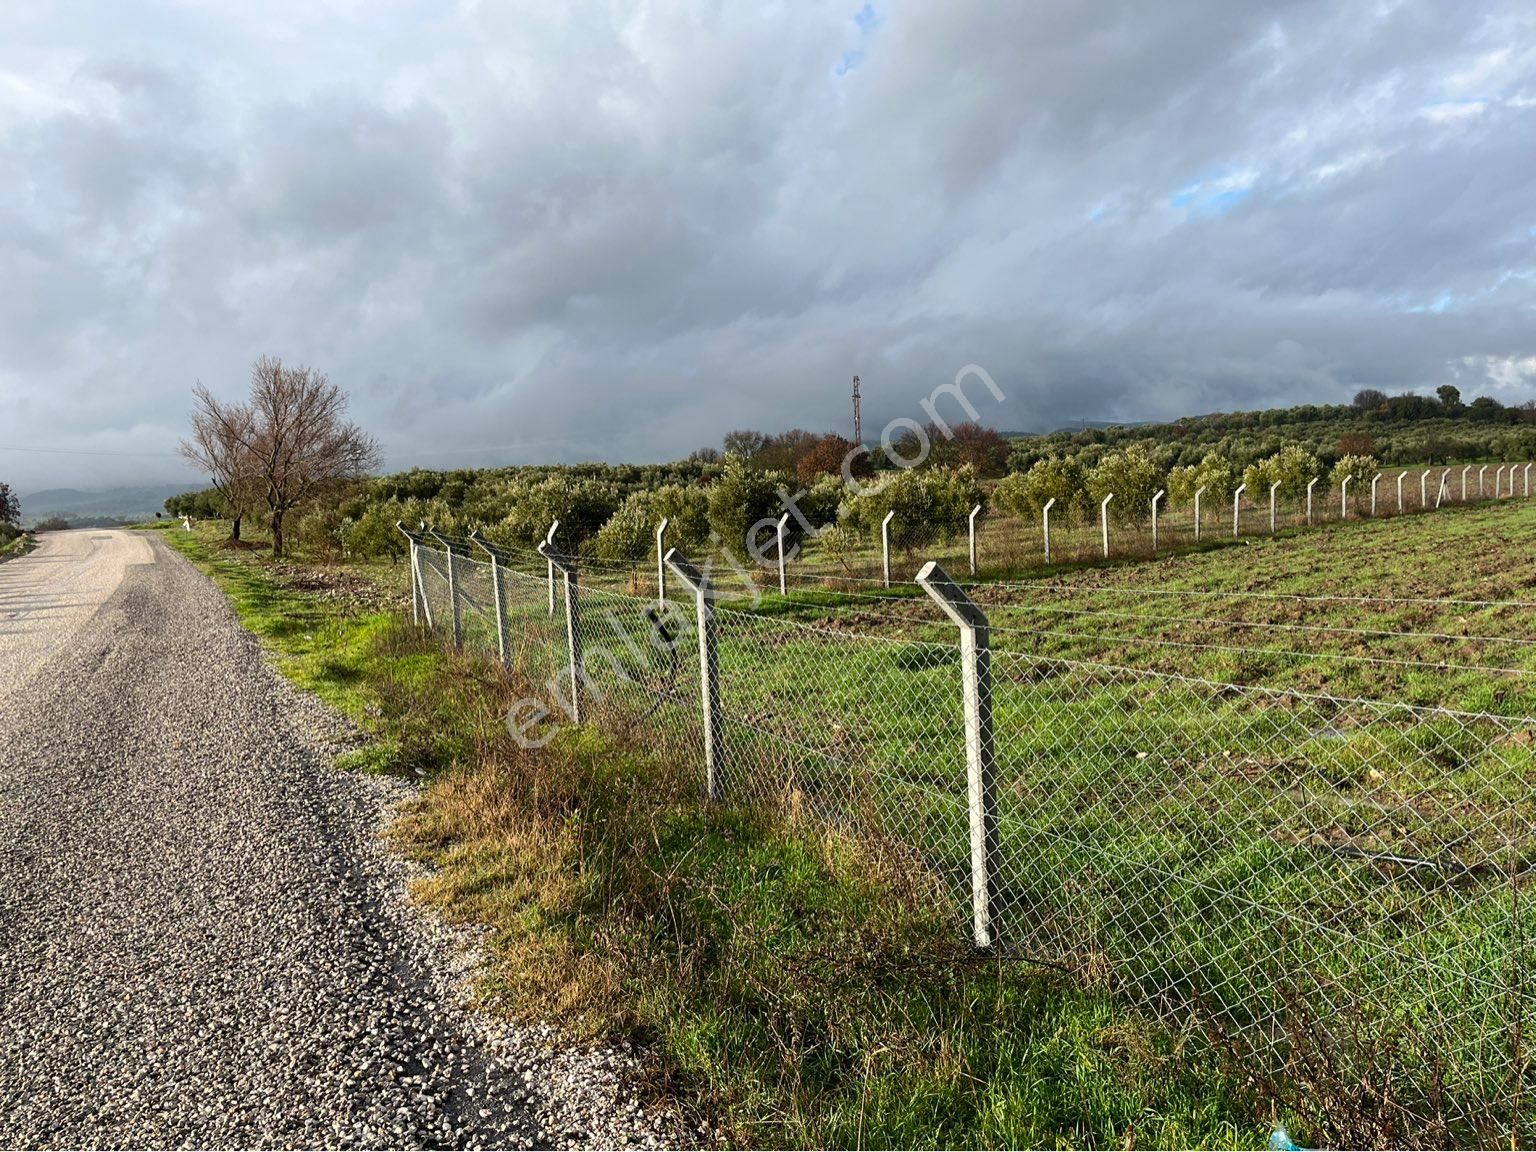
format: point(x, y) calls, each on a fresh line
point(202, 939)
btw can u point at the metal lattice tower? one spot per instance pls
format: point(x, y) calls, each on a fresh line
point(858, 431)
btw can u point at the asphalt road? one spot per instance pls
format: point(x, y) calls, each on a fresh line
point(202, 940)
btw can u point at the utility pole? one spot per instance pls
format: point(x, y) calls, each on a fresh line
point(858, 428)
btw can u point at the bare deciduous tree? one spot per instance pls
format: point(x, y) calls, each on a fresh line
point(219, 446)
point(288, 444)
point(301, 441)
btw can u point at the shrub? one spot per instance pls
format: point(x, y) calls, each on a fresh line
point(630, 533)
point(1025, 494)
point(741, 498)
point(1133, 477)
point(930, 504)
point(1293, 466)
point(1214, 473)
point(1359, 469)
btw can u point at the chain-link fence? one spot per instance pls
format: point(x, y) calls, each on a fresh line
point(1329, 888)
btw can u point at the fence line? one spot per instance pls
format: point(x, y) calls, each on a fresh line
point(1308, 876)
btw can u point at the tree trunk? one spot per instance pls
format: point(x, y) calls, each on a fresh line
point(277, 533)
point(234, 530)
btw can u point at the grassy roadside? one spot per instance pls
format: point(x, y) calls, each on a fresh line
point(19, 545)
point(797, 989)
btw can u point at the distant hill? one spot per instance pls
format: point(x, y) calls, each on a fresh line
point(121, 505)
point(1405, 429)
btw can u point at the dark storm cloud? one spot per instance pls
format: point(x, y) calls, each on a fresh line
point(597, 230)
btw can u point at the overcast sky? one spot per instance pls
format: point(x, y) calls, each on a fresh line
point(560, 231)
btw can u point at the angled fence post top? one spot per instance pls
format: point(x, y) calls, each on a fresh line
point(948, 595)
point(491, 550)
point(560, 560)
point(694, 580)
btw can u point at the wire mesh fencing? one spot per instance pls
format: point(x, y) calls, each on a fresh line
point(1329, 888)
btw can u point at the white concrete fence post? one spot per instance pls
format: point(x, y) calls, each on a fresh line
point(980, 758)
point(567, 567)
point(1444, 490)
point(971, 525)
point(1198, 492)
point(1237, 499)
point(456, 611)
point(885, 546)
point(417, 592)
point(1312, 483)
point(1464, 472)
point(1498, 481)
point(783, 560)
point(1375, 480)
point(1527, 479)
point(661, 566)
point(1400, 492)
point(1344, 498)
point(1045, 517)
point(549, 538)
point(1424, 489)
point(1160, 494)
point(1104, 522)
point(1272, 488)
point(709, 673)
point(501, 616)
point(1481, 472)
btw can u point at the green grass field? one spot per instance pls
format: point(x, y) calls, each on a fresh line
point(1217, 799)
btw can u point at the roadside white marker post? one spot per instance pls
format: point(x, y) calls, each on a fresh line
point(567, 566)
point(709, 672)
point(1312, 483)
point(885, 545)
point(1045, 517)
point(971, 524)
point(1155, 499)
point(1424, 490)
point(1376, 479)
point(1481, 472)
point(1236, 505)
point(549, 538)
point(980, 759)
point(1464, 472)
point(1104, 522)
point(1272, 488)
point(1197, 510)
point(783, 577)
point(661, 567)
point(1344, 498)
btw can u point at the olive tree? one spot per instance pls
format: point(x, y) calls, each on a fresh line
point(1134, 478)
point(1025, 494)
